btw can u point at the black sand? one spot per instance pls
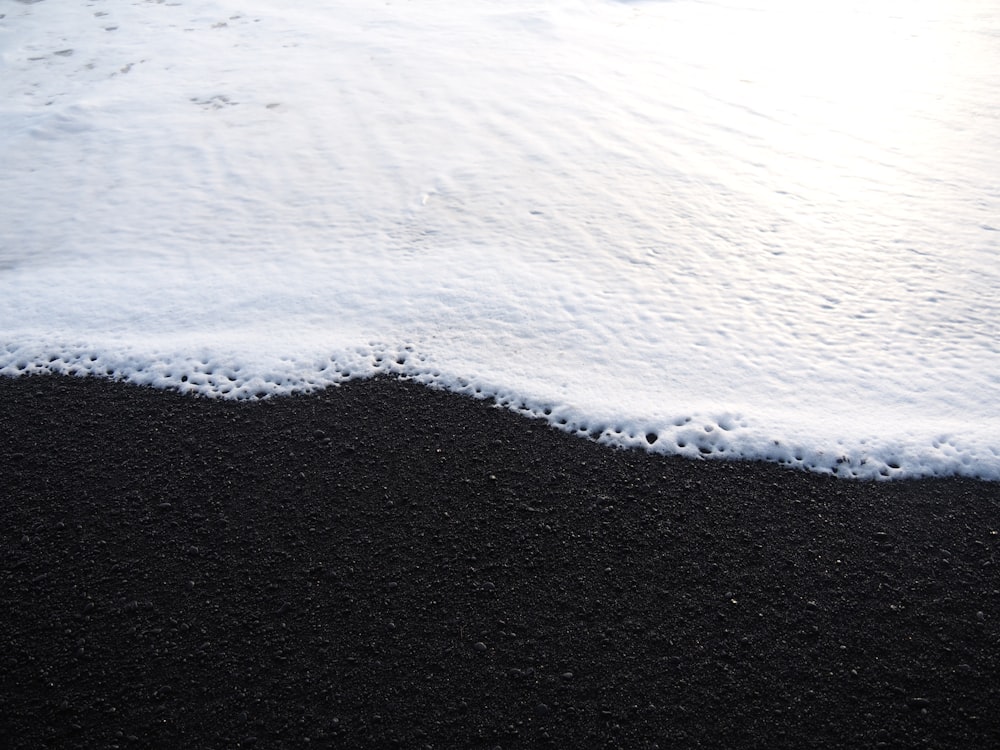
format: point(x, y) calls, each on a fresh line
point(382, 564)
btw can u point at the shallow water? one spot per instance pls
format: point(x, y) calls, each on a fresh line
point(751, 229)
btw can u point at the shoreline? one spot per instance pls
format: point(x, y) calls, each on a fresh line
point(383, 563)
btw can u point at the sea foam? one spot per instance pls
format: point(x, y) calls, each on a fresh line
point(752, 230)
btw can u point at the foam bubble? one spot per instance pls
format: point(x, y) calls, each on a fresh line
point(635, 221)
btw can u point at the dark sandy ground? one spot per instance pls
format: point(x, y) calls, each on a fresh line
point(385, 565)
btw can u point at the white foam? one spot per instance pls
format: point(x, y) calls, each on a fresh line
point(751, 230)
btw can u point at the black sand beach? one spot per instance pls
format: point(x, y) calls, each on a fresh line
point(385, 565)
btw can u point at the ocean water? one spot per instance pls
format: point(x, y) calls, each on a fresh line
point(758, 228)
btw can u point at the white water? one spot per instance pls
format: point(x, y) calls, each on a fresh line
point(760, 228)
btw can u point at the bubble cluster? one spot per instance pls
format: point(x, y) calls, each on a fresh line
point(727, 436)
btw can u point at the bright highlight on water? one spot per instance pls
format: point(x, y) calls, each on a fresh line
point(759, 229)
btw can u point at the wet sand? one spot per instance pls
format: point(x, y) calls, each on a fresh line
point(383, 565)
